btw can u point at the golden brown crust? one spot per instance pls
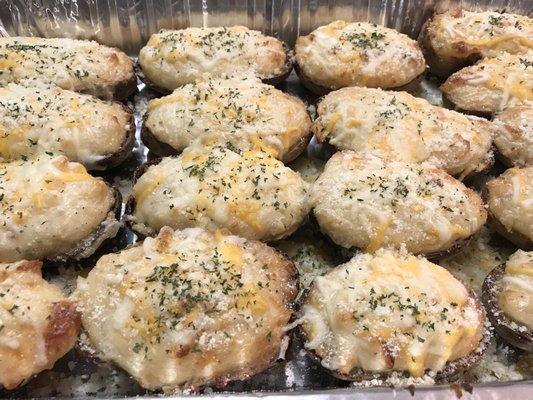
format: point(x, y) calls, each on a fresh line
point(38, 324)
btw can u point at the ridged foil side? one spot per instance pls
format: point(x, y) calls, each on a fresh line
point(129, 23)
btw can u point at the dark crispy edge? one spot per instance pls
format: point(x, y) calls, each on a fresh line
point(153, 144)
point(434, 62)
point(323, 90)
point(286, 71)
point(450, 370)
point(125, 89)
point(87, 349)
point(514, 237)
point(125, 148)
point(447, 102)
point(96, 239)
point(130, 204)
point(490, 292)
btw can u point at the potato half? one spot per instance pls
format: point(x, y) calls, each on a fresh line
point(508, 298)
point(364, 201)
point(236, 108)
point(93, 132)
point(38, 324)
point(79, 65)
point(492, 84)
point(458, 37)
point(249, 193)
point(173, 58)
point(399, 126)
point(52, 208)
point(357, 54)
point(514, 135)
point(510, 204)
point(390, 312)
point(189, 308)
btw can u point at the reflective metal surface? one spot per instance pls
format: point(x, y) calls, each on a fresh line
point(128, 24)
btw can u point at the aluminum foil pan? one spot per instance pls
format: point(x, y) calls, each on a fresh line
point(503, 372)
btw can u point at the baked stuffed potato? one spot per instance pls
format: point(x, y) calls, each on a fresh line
point(392, 311)
point(53, 209)
point(344, 54)
point(458, 37)
point(189, 308)
point(38, 323)
point(95, 133)
point(402, 127)
point(237, 108)
point(79, 65)
point(514, 136)
point(173, 58)
point(361, 200)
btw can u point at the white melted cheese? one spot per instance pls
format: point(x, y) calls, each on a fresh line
point(53, 120)
point(516, 295)
point(390, 312)
point(507, 82)
point(240, 109)
point(174, 58)
point(47, 206)
point(510, 200)
point(514, 137)
point(364, 201)
point(456, 34)
point(358, 54)
point(79, 65)
point(399, 126)
point(249, 193)
point(28, 343)
point(188, 308)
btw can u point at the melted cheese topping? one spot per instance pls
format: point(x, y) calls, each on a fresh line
point(457, 34)
point(492, 84)
point(516, 296)
point(38, 325)
point(249, 193)
point(390, 311)
point(188, 308)
point(79, 65)
point(240, 109)
point(358, 54)
point(48, 205)
point(37, 121)
point(399, 126)
point(510, 200)
point(361, 200)
point(514, 137)
point(174, 58)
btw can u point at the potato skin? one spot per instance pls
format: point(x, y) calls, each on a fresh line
point(95, 133)
point(239, 109)
point(363, 201)
point(402, 127)
point(456, 38)
point(492, 84)
point(40, 326)
point(523, 339)
point(514, 136)
point(242, 305)
point(174, 58)
point(509, 198)
point(80, 65)
point(360, 60)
